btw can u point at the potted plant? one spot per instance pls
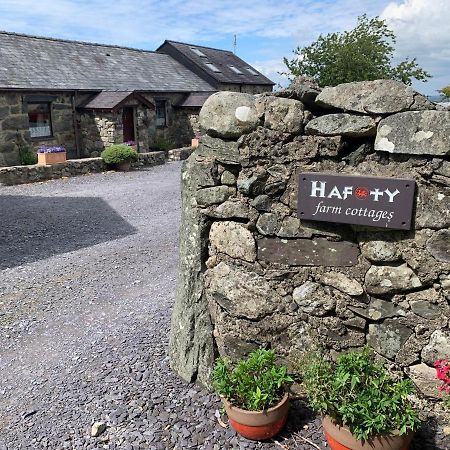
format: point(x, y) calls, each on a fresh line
point(119, 156)
point(253, 393)
point(51, 155)
point(363, 406)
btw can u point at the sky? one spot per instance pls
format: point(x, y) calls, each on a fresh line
point(266, 30)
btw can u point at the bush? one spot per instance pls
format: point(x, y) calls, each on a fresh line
point(27, 156)
point(118, 153)
point(254, 384)
point(358, 393)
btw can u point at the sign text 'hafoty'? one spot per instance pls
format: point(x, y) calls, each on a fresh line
point(370, 201)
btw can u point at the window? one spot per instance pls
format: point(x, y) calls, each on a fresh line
point(198, 52)
point(161, 115)
point(40, 120)
point(253, 72)
point(212, 67)
point(235, 70)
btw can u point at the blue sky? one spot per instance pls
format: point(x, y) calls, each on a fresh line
point(266, 30)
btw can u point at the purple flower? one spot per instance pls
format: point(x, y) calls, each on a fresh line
point(45, 149)
point(130, 143)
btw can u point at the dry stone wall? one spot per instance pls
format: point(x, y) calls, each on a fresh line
point(252, 274)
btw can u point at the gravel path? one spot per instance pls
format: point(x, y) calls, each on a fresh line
point(87, 281)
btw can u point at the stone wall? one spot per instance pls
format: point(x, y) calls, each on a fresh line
point(252, 274)
point(14, 126)
point(33, 173)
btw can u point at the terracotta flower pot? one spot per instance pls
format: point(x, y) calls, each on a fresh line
point(340, 438)
point(45, 159)
point(194, 143)
point(258, 425)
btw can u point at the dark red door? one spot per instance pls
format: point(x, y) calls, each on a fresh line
point(128, 124)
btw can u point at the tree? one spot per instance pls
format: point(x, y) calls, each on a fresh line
point(445, 92)
point(364, 53)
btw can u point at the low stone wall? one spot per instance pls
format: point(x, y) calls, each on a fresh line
point(179, 154)
point(72, 167)
point(253, 274)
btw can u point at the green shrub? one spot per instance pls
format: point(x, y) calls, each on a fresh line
point(27, 156)
point(254, 384)
point(161, 145)
point(118, 153)
point(359, 393)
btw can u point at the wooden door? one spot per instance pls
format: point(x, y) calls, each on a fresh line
point(128, 124)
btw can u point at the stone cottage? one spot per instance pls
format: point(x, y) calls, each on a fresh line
point(87, 96)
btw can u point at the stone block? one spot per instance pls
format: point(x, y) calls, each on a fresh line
point(229, 114)
point(373, 97)
point(241, 293)
point(342, 125)
point(415, 133)
point(306, 252)
point(233, 239)
point(388, 338)
point(342, 283)
point(437, 348)
point(439, 246)
point(213, 195)
point(424, 377)
point(391, 279)
point(285, 115)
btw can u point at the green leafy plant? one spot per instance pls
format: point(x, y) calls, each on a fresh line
point(364, 53)
point(254, 384)
point(358, 393)
point(118, 153)
point(161, 145)
point(27, 156)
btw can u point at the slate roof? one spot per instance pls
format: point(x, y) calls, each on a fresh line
point(30, 62)
point(112, 100)
point(195, 100)
point(222, 59)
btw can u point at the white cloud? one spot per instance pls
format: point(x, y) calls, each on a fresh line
point(422, 28)
point(271, 68)
point(267, 29)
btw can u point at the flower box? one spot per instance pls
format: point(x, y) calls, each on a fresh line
point(51, 155)
point(45, 159)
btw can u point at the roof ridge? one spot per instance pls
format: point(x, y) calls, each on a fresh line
point(73, 41)
point(201, 46)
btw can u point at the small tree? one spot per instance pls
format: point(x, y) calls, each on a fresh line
point(445, 92)
point(364, 53)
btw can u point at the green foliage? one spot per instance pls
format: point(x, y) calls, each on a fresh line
point(119, 153)
point(27, 156)
point(359, 393)
point(161, 145)
point(364, 53)
point(254, 384)
point(445, 92)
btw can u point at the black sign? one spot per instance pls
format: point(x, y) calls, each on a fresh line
point(370, 201)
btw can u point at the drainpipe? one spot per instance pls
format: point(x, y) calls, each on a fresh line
point(75, 126)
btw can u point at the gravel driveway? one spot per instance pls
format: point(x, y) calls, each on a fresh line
point(87, 282)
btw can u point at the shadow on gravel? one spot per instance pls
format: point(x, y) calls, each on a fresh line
point(35, 228)
point(430, 436)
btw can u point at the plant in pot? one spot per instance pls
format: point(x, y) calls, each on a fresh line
point(51, 155)
point(253, 391)
point(363, 407)
point(119, 156)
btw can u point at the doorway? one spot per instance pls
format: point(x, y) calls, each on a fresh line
point(128, 124)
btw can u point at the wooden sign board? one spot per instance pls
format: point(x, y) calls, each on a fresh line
point(369, 201)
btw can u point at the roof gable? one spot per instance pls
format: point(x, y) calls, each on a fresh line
point(221, 65)
point(108, 100)
point(30, 62)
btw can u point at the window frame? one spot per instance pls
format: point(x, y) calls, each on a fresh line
point(43, 101)
point(158, 103)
